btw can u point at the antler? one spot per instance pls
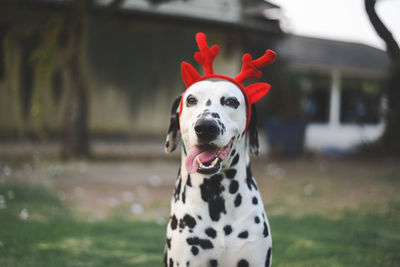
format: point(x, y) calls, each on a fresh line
point(250, 67)
point(206, 55)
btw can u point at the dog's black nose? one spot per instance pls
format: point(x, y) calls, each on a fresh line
point(206, 130)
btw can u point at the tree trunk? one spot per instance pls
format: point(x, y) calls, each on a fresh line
point(76, 141)
point(390, 139)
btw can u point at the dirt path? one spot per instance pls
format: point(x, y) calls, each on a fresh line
point(142, 188)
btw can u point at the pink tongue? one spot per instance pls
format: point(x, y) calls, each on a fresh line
point(191, 163)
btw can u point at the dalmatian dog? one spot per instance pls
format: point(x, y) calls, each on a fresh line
point(217, 216)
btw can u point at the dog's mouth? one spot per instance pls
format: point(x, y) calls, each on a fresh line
point(206, 159)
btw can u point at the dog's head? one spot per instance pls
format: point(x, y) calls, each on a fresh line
point(216, 111)
point(212, 122)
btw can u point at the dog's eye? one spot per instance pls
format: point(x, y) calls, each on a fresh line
point(191, 100)
point(231, 102)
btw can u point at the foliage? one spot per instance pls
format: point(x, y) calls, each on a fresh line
point(42, 58)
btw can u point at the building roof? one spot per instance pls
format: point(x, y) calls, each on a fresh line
point(228, 12)
point(256, 8)
point(232, 13)
point(330, 54)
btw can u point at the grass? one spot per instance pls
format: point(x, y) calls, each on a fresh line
point(351, 240)
point(50, 235)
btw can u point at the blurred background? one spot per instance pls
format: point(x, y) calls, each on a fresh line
point(86, 88)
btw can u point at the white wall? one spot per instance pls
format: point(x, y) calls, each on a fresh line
point(322, 137)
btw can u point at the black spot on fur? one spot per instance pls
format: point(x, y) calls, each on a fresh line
point(215, 115)
point(174, 222)
point(187, 263)
point(243, 263)
point(211, 190)
point(169, 243)
point(181, 224)
point(227, 229)
point(171, 262)
point(187, 221)
point(265, 232)
point(249, 179)
point(233, 187)
point(211, 232)
point(233, 152)
point(213, 263)
point(221, 125)
point(244, 235)
point(189, 181)
point(184, 148)
point(255, 201)
point(203, 243)
point(178, 190)
point(184, 195)
point(257, 220)
point(268, 259)
point(238, 200)
point(235, 160)
point(208, 103)
point(167, 144)
point(222, 101)
point(230, 173)
point(198, 216)
point(195, 250)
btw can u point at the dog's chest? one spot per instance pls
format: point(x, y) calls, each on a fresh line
point(221, 217)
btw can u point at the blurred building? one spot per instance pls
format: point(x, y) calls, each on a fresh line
point(133, 60)
point(342, 85)
point(331, 89)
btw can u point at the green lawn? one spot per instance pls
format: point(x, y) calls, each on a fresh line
point(52, 236)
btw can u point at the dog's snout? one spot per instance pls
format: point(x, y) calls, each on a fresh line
point(206, 130)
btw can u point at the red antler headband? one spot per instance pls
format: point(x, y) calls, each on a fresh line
point(250, 69)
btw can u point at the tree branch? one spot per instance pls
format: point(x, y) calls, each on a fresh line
point(380, 28)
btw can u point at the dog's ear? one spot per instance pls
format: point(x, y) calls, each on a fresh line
point(252, 132)
point(173, 129)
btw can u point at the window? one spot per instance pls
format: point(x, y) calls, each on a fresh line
point(360, 101)
point(317, 88)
